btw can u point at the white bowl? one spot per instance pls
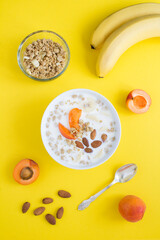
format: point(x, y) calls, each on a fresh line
point(115, 118)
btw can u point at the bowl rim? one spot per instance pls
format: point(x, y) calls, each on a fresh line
point(65, 164)
point(21, 66)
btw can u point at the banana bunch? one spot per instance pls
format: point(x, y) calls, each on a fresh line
point(123, 29)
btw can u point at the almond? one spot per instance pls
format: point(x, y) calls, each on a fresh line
point(93, 134)
point(39, 211)
point(25, 207)
point(51, 219)
point(64, 194)
point(60, 213)
point(88, 150)
point(47, 200)
point(96, 144)
point(79, 144)
point(104, 137)
point(85, 142)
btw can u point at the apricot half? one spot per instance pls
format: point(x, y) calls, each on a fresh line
point(132, 208)
point(26, 171)
point(138, 101)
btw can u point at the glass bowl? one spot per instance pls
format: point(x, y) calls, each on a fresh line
point(40, 35)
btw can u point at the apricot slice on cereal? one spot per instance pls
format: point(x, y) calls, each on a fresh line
point(138, 101)
point(26, 171)
point(74, 116)
point(65, 132)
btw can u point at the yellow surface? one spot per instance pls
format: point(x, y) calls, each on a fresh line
point(23, 102)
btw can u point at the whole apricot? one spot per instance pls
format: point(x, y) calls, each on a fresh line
point(132, 208)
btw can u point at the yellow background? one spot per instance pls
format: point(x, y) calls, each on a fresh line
point(23, 102)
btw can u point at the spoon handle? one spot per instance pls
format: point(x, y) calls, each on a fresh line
point(87, 202)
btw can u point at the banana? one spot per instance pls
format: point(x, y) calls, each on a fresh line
point(115, 20)
point(92, 117)
point(89, 105)
point(99, 155)
point(124, 37)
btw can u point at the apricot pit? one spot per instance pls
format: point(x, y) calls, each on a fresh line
point(26, 173)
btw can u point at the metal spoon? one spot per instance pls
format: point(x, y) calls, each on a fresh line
point(123, 174)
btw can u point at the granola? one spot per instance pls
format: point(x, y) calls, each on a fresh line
point(44, 59)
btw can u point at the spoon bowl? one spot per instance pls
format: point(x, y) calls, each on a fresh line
point(126, 172)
